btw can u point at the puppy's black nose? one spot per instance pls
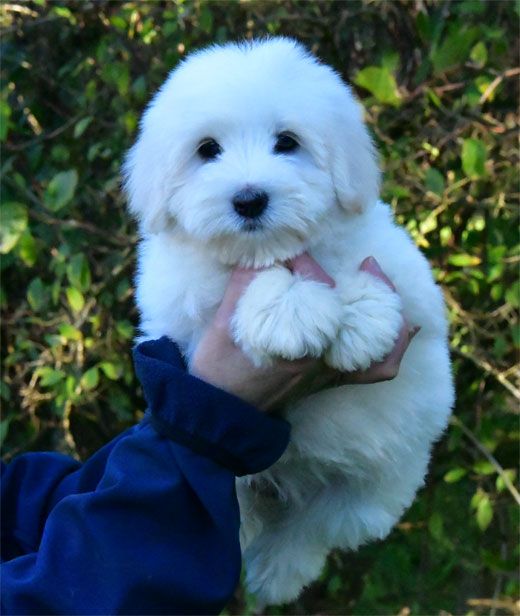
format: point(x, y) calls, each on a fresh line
point(250, 202)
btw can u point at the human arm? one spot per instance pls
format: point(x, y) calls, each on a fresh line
point(157, 530)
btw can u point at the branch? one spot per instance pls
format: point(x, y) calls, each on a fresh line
point(488, 455)
point(489, 369)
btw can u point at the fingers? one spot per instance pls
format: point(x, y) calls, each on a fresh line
point(307, 267)
point(371, 266)
point(239, 280)
point(388, 368)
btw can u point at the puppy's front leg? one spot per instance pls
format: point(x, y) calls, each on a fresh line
point(370, 323)
point(286, 315)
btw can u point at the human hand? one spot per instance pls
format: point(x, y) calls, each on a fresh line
point(384, 370)
point(388, 368)
point(217, 360)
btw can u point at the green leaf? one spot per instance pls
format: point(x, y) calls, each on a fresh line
point(206, 20)
point(78, 272)
point(381, 83)
point(61, 189)
point(484, 513)
point(477, 497)
point(125, 329)
point(500, 483)
point(65, 12)
point(90, 378)
point(5, 114)
point(13, 219)
point(5, 392)
point(479, 54)
point(435, 525)
point(474, 158)
point(50, 376)
point(513, 294)
point(483, 467)
point(454, 49)
point(75, 299)
point(434, 181)
point(69, 332)
point(472, 6)
point(82, 126)
point(456, 474)
point(118, 75)
point(464, 260)
point(27, 248)
point(111, 370)
point(429, 224)
point(4, 429)
point(37, 294)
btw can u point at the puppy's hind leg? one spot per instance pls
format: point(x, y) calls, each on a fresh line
point(279, 564)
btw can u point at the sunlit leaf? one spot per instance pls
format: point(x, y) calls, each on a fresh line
point(474, 157)
point(61, 189)
point(90, 378)
point(75, 299)
point(50, 376)
point(479, 54)
point(456, 474)
point(464, 260)
point(380, 82)
point(111, 370)
point(483, 467)
point(454, 49)
point(484, 513)
point(70, 332)
point(13, 222)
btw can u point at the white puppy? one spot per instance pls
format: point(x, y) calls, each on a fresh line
point(250, 154)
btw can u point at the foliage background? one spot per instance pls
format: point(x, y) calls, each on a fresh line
point(439, 81)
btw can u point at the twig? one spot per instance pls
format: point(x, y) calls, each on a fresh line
point(512, 72)
point(18, 8)
point(43, 136)
point(77, 224)
point(502, 604)
point(489, 456)
point(489, 369)
point(71, 223)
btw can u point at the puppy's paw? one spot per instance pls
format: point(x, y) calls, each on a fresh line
point(370, 323)
point(277, 571)
point(281, 315)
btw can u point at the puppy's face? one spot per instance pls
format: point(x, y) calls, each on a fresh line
point(252, 150)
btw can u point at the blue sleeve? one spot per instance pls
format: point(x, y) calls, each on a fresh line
point(150, 524)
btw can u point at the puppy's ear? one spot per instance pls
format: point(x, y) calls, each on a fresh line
point(145, 188)
point(354, 164)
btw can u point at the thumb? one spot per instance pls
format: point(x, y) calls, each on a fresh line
point(239, 280)
point(371, 266)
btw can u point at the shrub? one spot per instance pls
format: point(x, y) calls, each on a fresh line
point(440, 87)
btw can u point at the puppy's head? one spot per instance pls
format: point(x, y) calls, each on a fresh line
point(251, 149)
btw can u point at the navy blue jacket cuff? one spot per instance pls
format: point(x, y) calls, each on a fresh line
point(209, 420)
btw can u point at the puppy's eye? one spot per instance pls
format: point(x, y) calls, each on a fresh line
point(285, 144)
point(209, 149)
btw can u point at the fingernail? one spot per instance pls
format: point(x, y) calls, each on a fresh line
point(371, 265)
point(413, 331)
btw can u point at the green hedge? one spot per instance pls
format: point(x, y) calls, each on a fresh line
point(440, 85)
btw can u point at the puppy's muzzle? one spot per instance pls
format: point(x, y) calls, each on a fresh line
point(250, 202)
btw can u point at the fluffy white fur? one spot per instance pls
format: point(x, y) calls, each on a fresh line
point(358, 453)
